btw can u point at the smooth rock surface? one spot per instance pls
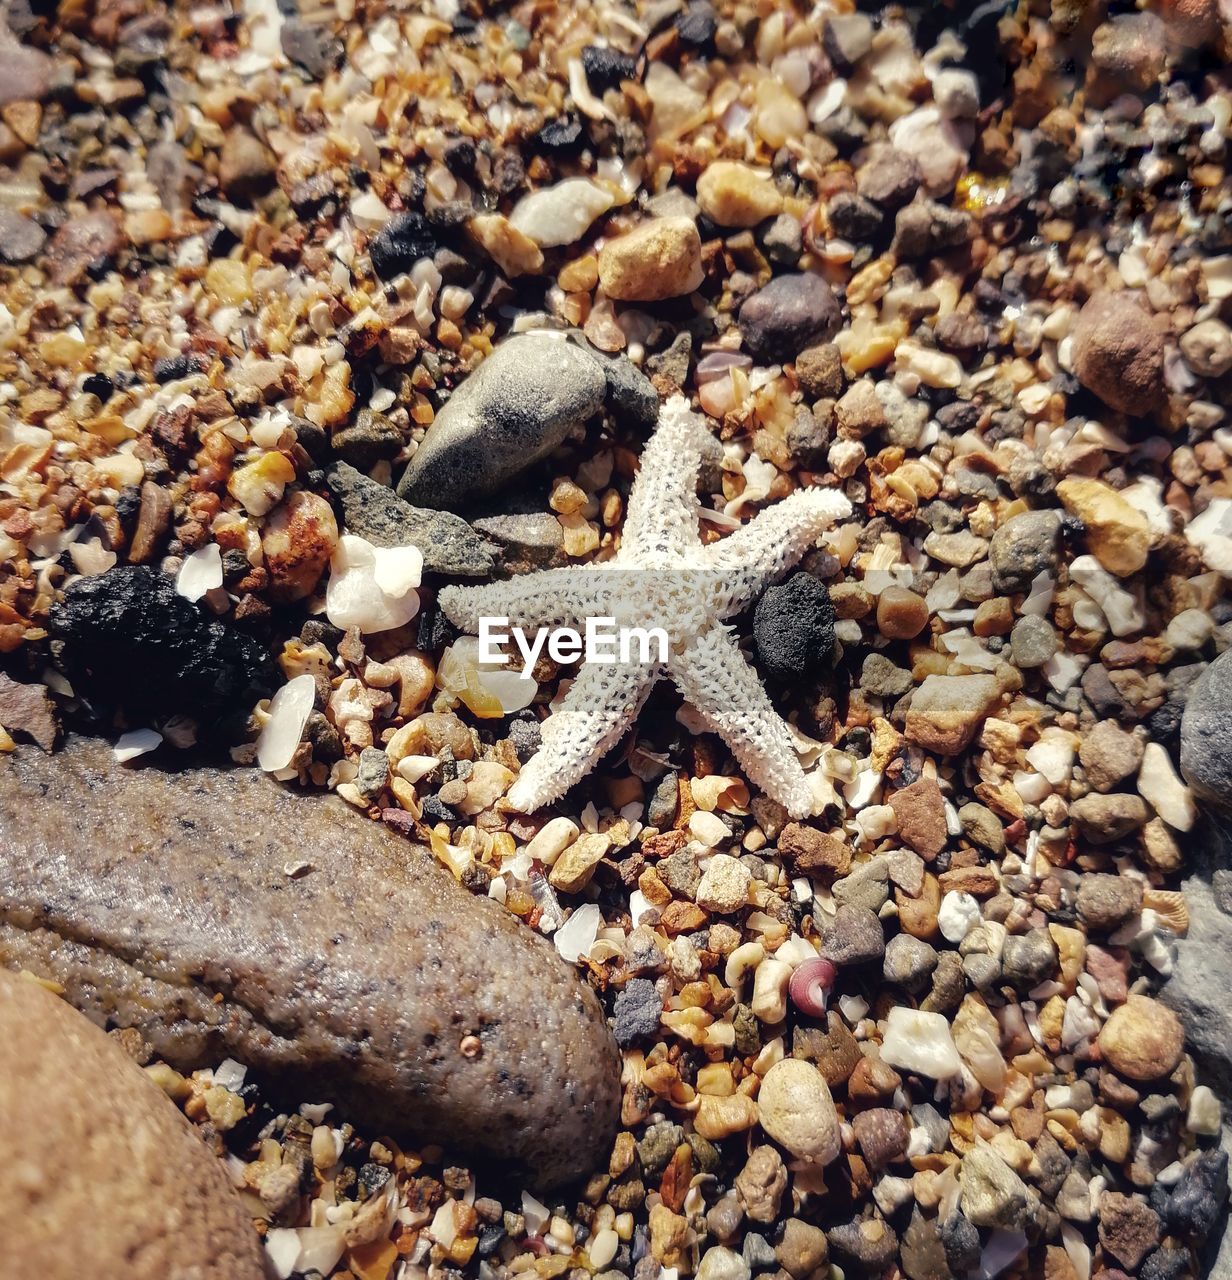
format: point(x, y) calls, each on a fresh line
point(516, 407)
point(102, 1175)
point(161, 901)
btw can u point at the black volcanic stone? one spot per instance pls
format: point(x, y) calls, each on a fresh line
point(400, 243)
point(130, 641)
point(793, 626)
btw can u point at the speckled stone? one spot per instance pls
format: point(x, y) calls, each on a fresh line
point(354, 983)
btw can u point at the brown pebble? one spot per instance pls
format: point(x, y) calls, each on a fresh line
point(1118, 353)
point(1142, 1040)
point(901, 614)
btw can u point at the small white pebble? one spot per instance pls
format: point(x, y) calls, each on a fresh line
point(1205, 1114)
point(958, 915)
point(708, 828)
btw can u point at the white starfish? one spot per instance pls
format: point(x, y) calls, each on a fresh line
point(662, 576)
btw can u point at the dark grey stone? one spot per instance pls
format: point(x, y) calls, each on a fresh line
point(375, 512)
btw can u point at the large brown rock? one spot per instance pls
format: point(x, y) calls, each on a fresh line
point(162, 900)
point(1118, 353)
point(101, 1174)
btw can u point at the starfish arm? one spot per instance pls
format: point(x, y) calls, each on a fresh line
point(754, 556)
point(601, 705)
point(548, 598)
point(727, 694)
point(663, 505)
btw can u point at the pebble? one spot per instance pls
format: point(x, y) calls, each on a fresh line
point(811, 852)
point(376, 513)
point(25, 72)
point(1023, 548)
point(797, 1112)
point(921, 1251)
point(1033, 642)
point(959, 914)
point(909, 961)
point(854, 937)
point(847, 38)
point(920, 1042)
point(992, 1194)
point(724, 885)
point(1163, 790)
point(400, 243)
point(637, 1009)
point(867, 1246)
point(888, 177)
point(521, 402)
point(793, 628)
point(660, 258)
point(1118, 353)
point(1109, 754)
point(1207, 347)
point(1142, 1040)
point(1131, 48)
point(731, 194)
point(80, 243)
point(298, 540)
point(819, 371)
point(1106, 818)
point(920, 812)
point(562, 213)
point(20, 237)
point(791, 313)
point(761, 1183)
point(103, 1163)
point(926, 228)
point(1106, 901)
point(1128, 1228)
point(947, 712)
point(1197, 1201)
point(901, 614)
point(28, 709)
point(1117, 532)
point(1028, 959)
point(882, 1135)
point(802, 1249)
point(719, 1263)
point(246, 166)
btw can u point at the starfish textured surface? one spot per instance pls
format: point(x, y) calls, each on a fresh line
point(663, 576)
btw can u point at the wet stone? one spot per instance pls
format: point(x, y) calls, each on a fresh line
point(376, 914)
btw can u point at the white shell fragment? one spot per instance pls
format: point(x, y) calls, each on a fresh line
point(136, 743)
point(201, 572)
point(372, 588)
point(288, 714)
